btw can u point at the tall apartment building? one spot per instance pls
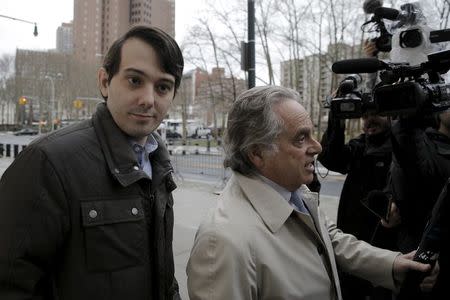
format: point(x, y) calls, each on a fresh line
point(64, 40)
point(98, 23)
point(312, 77)
point(215, 94)
point(204, 95)
point(186, 97)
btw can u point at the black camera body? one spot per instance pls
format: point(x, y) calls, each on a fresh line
point(383, 42)
point(403, 90)
point(410, 97)
point(410, 14)
point(350, 102)
point(351, 106)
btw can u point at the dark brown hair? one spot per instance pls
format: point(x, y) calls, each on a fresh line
point(165, 46)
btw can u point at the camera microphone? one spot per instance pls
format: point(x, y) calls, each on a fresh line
point(369, 6)
point(359, 65)
point(387, 13)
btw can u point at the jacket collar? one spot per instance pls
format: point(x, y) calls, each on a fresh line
point(270, 205)
point(441, 141)
point(119, 155)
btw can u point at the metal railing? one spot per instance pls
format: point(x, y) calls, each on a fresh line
point(187, 161)
point(198, 162)
point(10, 150)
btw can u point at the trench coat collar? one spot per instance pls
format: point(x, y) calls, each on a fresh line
point(270, 205)
point(119, 155)
point(311, 200)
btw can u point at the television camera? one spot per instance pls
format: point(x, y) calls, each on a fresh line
point(383, 41)
point(409, 18)
point(403, 90)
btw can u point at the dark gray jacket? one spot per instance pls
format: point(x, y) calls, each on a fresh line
point(421, 167)
point(366, 161)
point(78, 221)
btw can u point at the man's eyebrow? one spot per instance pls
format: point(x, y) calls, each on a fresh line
point(168, 78)
point(303, 131)
point(133, 70)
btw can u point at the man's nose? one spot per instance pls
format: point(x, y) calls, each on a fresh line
point(147, 97)
point(315, 147)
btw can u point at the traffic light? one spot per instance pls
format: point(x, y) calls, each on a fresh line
point(23, 100)
point(78, 104)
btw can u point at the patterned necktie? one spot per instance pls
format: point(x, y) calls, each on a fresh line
point(298, 203)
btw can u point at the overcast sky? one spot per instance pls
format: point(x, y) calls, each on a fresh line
point(49, 14)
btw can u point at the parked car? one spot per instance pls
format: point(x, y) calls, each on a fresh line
point(202, 133)
point(172, 134)
point(26, 131)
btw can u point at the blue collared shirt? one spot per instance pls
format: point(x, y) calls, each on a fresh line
point(143, 152)
point(282, 191)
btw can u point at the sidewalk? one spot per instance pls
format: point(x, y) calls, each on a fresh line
point(4, 163)
point(193, 199)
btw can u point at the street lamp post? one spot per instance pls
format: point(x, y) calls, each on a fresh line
point(52, 101)
point(35, 32)
point(251, 43)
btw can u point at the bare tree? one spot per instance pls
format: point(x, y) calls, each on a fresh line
point(442, 8)
point(230, 36)
point(215, 43)
point(6, 88)
point(265, 10)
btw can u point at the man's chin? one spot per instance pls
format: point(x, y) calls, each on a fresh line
point(140, 133)
point(308, 179)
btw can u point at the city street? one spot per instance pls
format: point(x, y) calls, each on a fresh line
point(10, 138)
point(200, 182)
point(190, 70)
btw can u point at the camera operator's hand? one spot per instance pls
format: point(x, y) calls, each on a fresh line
point(394, 217)
point(369, 48)
point(404, 263)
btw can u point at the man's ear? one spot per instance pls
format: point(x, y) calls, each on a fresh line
point(102, 78)
point(256, 156)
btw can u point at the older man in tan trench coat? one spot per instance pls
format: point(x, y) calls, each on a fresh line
point(268, 238)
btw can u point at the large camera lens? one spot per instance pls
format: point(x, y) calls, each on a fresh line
point(410, 38)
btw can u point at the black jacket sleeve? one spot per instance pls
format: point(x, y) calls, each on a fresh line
point(34, 221)
point(415, 172)
point(409, 145)
point(336, 155)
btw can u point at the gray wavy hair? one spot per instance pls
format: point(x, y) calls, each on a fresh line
point(252, 124)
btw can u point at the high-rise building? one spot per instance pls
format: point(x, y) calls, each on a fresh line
point(312, 78)
point(64, 41)
point(98, 23)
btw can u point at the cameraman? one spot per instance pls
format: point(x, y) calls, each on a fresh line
point(420, 168)
point(366, 160)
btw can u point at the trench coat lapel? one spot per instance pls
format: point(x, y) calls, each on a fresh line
point(274, 209)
